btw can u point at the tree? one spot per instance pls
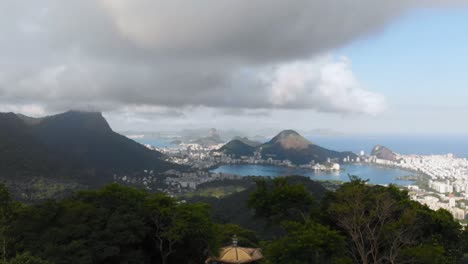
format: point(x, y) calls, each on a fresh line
point(384, 226)
point(176, 223)
point(293, 208)
point(6, 214)
point(307, 243)
point(27, 258)
point(101, 226)
point(245, 237)
point(279, 201)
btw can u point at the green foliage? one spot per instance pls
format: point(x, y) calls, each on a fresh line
point(6, 215)
point(383, 225)
point(426, 253)
point(27, 258)
point(174, 222)
point(358, 223)
point(237, 148)
point(115, 224)
point(307, 243)
point(246, 238)
point(279, 201)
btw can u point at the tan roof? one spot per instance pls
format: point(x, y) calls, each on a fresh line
point(238, 255)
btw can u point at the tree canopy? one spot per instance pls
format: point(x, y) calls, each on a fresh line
point(358, 223)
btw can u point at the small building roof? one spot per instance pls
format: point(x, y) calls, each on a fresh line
point(237, 255)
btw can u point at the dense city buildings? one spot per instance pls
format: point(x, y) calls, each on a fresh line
point(443, 183)
point(440, 181)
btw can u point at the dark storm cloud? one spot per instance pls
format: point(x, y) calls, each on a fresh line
point(259, 54)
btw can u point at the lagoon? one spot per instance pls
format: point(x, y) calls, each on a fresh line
point(376, 175)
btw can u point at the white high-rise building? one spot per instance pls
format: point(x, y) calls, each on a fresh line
point(452, 202)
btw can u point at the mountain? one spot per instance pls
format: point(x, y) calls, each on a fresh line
point(30, 170)
point(384, 153)
point(69, 149)
point(290, 139)
point(290, 145)
point(247, 141)
point(20, 153)
point(87, 138)
point(212, 139)
point(237, 148)
point(287, 145)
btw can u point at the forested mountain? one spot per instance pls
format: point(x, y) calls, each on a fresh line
point(87, 138)
point(21, 153)
point(248, 141)
point(75, 147)
point(237, 148)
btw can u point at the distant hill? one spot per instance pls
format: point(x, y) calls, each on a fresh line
point(237, 149)
point(287, 145)
point(247, 141)
point(212, 139)
point(384, 153)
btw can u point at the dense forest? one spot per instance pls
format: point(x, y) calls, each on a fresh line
point(295, 221)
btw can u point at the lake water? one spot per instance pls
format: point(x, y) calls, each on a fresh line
point(376, 175)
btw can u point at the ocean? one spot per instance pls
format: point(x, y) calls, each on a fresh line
point(423, 145)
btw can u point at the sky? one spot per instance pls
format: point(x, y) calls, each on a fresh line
point(355, 67)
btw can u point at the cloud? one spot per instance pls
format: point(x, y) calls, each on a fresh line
point(324, 85)
point(27, 109)
point(236, 112)
point(119, 55)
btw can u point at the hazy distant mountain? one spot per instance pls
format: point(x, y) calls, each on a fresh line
point(237, 148)
point(259, 138)
point(287, 145)
point(384, 153)
point(212, 139)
